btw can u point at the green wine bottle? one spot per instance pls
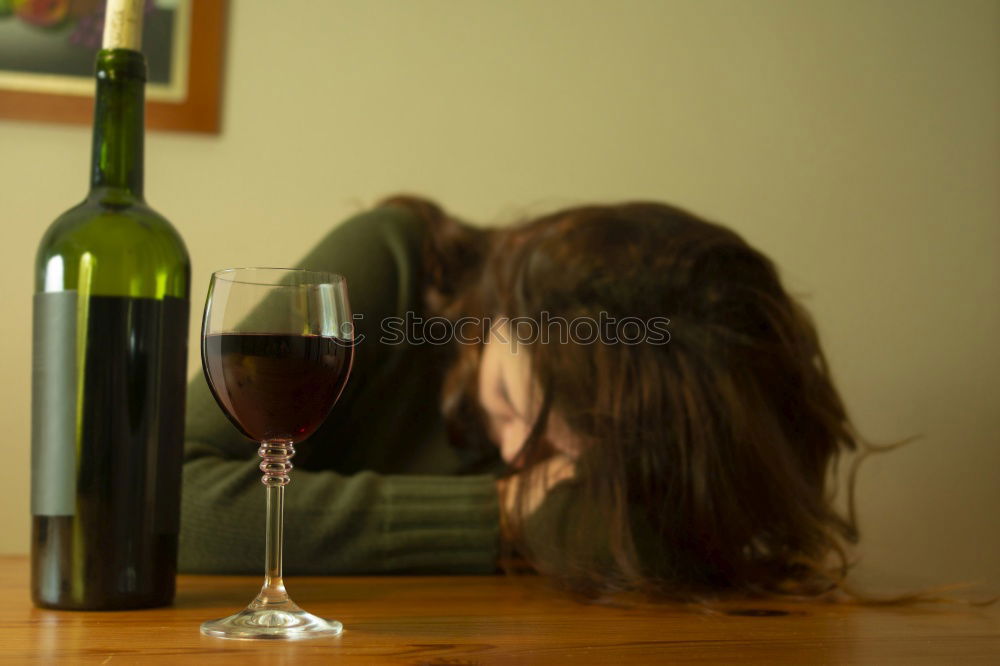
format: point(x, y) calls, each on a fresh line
point(109, 363)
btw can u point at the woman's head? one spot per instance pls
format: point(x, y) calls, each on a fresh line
point(511, 398)
point(662, 353)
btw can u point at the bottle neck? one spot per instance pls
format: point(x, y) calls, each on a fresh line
point(119, 123)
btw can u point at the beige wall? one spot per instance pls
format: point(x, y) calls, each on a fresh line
point(856, 142)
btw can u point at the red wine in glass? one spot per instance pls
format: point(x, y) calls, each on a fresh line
point(276, 387)
point(277, 347)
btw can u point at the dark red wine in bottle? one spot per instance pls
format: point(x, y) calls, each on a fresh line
point(276, 387)
point(109, 363)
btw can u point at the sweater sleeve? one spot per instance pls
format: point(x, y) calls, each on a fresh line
point(335, 523)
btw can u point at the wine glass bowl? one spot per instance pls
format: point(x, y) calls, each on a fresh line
point(277, 349)
point(276, 387)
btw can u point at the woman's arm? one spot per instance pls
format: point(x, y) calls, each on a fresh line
point(336, 523)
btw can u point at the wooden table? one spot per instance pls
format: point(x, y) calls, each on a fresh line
point(488, 620)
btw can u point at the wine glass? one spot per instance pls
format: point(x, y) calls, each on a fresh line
point(277, 346)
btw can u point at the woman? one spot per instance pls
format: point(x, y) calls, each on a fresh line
point(679, 443)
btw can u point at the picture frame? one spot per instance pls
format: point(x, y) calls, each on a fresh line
point(192, 105)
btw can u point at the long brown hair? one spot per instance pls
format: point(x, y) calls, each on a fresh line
point(708, 459)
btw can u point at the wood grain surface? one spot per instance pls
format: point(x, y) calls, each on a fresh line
point(489, 620)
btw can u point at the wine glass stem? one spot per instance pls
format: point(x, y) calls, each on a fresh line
point(275, 465)
point(274, 586)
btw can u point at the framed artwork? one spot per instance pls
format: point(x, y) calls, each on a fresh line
point(47, 51)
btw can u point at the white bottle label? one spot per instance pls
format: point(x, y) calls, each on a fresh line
point(53, 404)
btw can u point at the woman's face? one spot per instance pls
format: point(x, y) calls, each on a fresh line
point(511, 399)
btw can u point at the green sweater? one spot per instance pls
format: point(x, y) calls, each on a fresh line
point(378, 488)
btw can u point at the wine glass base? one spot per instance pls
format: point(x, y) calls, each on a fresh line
point(268, 623)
